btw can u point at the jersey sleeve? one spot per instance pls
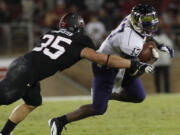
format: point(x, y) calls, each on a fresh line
point(85, 41)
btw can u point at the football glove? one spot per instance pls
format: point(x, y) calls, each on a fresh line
point(167, 49)
point(140, 66)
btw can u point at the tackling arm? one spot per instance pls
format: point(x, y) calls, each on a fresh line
point(102, 59)
point(115, 61)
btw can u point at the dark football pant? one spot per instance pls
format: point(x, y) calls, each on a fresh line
point(103, 81)
point(18, 83)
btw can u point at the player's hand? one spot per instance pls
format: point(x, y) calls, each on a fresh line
point(140, 66)
point(167, 49)
point(155, 54)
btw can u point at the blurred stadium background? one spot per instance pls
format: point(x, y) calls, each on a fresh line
point(22, 22)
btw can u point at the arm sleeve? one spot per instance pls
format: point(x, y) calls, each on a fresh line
point(85, 41)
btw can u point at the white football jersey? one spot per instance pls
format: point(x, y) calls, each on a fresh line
point(122, 40)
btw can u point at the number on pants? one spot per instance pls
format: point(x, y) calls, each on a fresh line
point(51, 43)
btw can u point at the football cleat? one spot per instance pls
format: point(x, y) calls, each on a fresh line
point(10, 133)
point(56, 126)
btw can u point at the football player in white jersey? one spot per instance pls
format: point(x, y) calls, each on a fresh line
point(126, 41)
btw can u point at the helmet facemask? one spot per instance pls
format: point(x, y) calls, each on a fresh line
point(145, 24)
point(149, 25)
point(81, 24)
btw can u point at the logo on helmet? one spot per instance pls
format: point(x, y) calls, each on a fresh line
point(81, 21)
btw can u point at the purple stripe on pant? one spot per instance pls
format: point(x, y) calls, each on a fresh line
point(103, 81)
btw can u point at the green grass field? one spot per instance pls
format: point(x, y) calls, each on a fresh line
point(157, 115)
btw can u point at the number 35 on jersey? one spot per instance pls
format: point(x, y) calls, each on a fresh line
point(53, 42)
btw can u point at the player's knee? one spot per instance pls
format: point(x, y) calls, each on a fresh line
point(34, 103)
point(100, 110)
point(37, 103)
point(139, 99)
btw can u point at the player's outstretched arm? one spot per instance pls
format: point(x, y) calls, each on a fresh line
point(115, 61)
point(103, 59)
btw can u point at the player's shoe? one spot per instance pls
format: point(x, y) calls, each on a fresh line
point(10, 133)
point(56, 126)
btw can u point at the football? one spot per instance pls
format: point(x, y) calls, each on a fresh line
point(146, 53)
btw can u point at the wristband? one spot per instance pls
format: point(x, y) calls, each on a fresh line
point(107, 60)
point(133, 63)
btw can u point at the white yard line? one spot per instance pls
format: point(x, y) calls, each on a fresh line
point(5, 62)
point(79, 98)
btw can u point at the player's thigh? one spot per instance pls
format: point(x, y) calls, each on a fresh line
point(33, 95)
point(134, 87)
point(102, 84)
point(9, 93)
point(14, 85)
